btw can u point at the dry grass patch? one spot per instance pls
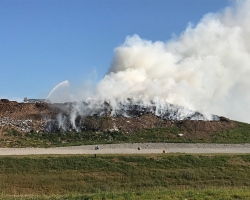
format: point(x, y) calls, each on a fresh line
point(239, 161)
point(77, 174)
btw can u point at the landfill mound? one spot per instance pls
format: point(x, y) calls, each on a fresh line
point(45, 117)
point(22, 111)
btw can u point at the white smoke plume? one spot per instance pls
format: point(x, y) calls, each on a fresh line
point(206, 69)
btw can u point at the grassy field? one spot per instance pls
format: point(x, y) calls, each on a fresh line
point(125, 177)
point(239, 134)
point(208, 194)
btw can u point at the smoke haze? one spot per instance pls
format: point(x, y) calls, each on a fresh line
point(206, 69)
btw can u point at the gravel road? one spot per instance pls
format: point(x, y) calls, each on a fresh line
point(132, 148)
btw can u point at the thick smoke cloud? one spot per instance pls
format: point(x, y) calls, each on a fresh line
point(206, 69)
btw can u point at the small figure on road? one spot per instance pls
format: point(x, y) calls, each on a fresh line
point(97, 148)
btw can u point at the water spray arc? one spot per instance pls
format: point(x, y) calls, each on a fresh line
point(63, 84)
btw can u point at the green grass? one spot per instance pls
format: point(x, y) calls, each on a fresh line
point(239, 134)
point(70, 175)
point(208, 194)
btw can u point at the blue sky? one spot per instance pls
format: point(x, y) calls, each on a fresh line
point(44, 42)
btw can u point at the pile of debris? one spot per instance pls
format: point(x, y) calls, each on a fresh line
point(43, 117)
point(26, 126)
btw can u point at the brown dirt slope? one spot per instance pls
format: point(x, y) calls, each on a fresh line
point(23, 111)
point(40, 111)
point(189, 128)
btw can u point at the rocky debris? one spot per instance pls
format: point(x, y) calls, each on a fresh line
point(111, 124)
point(164, 111)
point(131, 109)
point(26, 126)
point(44, 117)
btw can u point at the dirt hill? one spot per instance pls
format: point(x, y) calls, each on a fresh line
point(43, 117)
point(22, 111)
point(46, 125)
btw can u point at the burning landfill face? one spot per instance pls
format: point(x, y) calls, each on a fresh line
point(205, 69)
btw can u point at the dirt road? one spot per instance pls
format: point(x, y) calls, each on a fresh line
point(132, 148)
